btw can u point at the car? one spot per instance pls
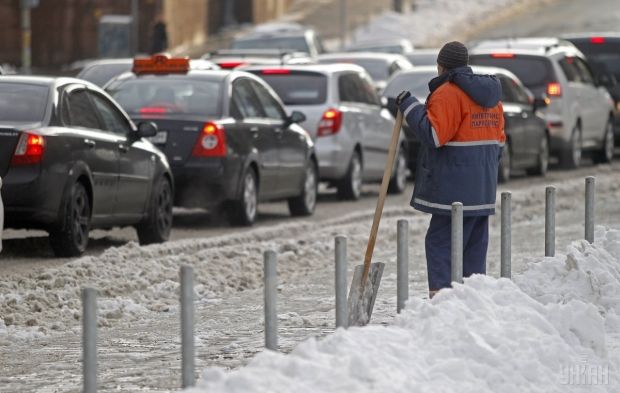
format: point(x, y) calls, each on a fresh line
point(423, 57)
point(233, 58)
point(281, 36)
point(603, 53)
point(1, 215)
point(400, 46)
point(227, 136)
point(380, 66)
point(351, 129)
point(579, 114)
point(527, 144)
point(71, 160)
point(102, 71)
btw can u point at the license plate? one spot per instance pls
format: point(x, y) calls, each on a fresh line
point(160, 138)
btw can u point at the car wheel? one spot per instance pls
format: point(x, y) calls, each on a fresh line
point(571, 156)
point(606, 153)
point(157, 225)
point(243, 211)
point(543, 159)
point(71, 237)
point(505, 165)
point(350, 186)
point(304, 204)
point(399, 179)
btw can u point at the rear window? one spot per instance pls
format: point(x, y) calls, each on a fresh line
point(378, 69)
point(21, 102)
point(171, 95)
point(100, 74)
point(299, 88)
point(298, 44)
point(534, 72)
point(416, 83)
point(603, 58)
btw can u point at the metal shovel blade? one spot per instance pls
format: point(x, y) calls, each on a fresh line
point(360, 304)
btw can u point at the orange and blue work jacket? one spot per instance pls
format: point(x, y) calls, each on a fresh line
point(461, 132)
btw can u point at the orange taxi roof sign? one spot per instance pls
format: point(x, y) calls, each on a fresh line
point(160, 64)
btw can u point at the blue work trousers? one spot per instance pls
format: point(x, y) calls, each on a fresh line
point(438, 249)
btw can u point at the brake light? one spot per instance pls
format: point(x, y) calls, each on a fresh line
point(597, 40)
point(554, 89)
point(276, 71)
point(153, 110)
point(29, 150)
point(228, 65)
point(503, 55)
point(211, 142)
point(330, 122)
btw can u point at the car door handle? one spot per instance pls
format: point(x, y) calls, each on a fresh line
point(90, 143)
point(123, 148)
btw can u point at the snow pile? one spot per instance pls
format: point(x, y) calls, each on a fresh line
point(433, 19)
point(541, 333)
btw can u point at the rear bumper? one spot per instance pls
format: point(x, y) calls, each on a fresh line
point(205, 183)
point(334, 154)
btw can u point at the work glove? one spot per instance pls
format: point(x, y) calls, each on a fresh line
point(402, 97)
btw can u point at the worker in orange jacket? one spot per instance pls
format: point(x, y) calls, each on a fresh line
point(461, 132)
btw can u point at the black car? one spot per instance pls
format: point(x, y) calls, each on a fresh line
point(527, 140)
point(603, 53)
point(228, 139)
point(71, 160)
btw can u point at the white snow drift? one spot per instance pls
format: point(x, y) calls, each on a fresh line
point(548, 331)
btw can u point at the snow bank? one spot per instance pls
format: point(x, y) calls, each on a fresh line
point(488, 335)
point(433, 19)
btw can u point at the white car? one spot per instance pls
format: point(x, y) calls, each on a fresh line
point(579, 111)
point(350, 127)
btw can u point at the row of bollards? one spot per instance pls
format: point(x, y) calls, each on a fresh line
point(89, 296)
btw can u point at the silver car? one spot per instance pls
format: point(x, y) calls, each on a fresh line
point(350, 127)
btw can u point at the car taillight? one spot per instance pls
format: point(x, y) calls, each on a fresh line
point(330, 122)
point(503, 55)
point(153, 110)
point(597, 40)
point(228, 65)
point(554, 89)
point(276, 71)
point(211, 142)
point(29, 150)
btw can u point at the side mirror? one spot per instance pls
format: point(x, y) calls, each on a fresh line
point(540, 103)
point(296, 117)
point(146, 129)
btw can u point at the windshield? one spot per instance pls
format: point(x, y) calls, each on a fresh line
point(299, 88)
point(378, 69)
point(534, 72)
point(171, 95)
point(100, 74)
point(297, 44)
point(416, 83)
point(22, 103)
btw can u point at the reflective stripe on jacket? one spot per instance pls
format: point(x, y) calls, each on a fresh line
point(461, 131)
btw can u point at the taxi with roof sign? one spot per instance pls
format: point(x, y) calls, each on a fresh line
point(226, 134)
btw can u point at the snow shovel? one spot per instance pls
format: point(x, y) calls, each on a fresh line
point(366, 277)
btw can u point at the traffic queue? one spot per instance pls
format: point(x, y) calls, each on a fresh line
point(126, 140)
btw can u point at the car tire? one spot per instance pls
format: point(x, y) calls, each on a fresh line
point(157, 225)
point(70, 238)
point(350, 187)
point(398, 183)
point(606, 153)
point(543, 159)
point(571, 156)
point(304, 204)
point(505, 165)
point(243, 211)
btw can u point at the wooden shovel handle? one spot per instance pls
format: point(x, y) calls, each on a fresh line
point(387, 173)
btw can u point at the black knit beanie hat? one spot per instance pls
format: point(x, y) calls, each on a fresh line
point(453, 55)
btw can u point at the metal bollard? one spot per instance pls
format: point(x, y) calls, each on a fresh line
point(457, 242)
point(589, 219)
point(187, 326)
point(550, 221)
point(402, 264)
point(271, 288)
point(506, 236)
point(341, 282)
point(89, 339)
